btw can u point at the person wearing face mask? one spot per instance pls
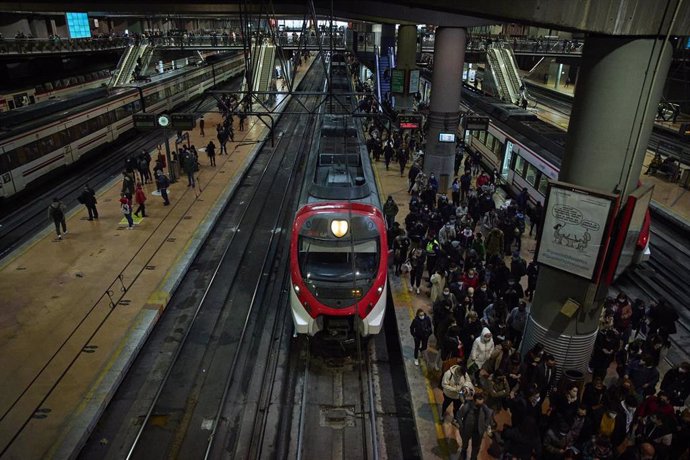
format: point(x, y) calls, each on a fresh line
point(482, 298)
point(457, 385)
point(517, 319)
point(482, 349)
point(475, 419)
point(605, 348)
point(556, 442)
point(622, 319)
point(421, 331)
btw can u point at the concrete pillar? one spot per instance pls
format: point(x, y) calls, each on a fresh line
point(406, 58)
point(449, 58)
point(619, 86)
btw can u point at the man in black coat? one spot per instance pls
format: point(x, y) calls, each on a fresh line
point(545, 375)
point(420, 330)
point(88, 199)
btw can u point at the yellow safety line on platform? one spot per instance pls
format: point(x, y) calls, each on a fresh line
point(405, 299)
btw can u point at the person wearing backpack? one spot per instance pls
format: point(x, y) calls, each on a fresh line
point(126, 208)
point(56, 211)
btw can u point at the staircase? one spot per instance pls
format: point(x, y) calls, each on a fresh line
point(127, 63)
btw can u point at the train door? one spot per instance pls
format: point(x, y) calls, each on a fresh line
point(69, 154)
point(7, 186)
point(507, 158)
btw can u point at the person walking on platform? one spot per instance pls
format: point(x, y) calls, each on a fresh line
point(421, 331)
point(163, 183)
point(126, 208)
point(88, 199)
point(201, 126)
point(56, 211)
point(211, 152)
point(475, 420)
point(390, 210)
point(140, 199)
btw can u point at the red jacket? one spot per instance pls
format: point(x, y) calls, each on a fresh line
point(139, 196)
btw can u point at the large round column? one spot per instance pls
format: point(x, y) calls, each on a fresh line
point(406, 59)
point(619, 86)
point(449, 58)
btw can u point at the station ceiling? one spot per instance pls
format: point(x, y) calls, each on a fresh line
point(616, 17)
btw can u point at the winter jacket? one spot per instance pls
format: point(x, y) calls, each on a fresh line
point(454, 382)
point(469, 418)
point(438, 283)
point(494, 243)
point(481, 349)
point(421, 328)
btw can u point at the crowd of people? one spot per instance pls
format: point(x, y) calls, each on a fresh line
point(463, 252)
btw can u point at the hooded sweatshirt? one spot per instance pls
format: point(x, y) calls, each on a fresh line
point(482, 348)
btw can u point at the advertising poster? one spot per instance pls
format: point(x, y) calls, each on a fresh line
point(413, 87)
point(576, 228)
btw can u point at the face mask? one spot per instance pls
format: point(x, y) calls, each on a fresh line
point(421, 316)
point(486, 339)
point(446, 294)
point(483, 289)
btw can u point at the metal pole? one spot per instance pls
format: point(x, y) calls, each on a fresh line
point(171, 168)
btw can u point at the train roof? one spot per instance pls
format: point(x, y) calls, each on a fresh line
point(34, 116)
point(522, 126)
point(31, 112)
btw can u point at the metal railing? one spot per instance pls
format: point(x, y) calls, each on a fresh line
point(60, 45)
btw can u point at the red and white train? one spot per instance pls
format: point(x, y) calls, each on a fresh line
point(339, 247)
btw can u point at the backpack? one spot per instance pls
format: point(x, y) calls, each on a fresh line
point(126, 208)
point(57, 214)
point(163, 181)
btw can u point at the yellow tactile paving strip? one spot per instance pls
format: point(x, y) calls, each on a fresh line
point(56, 312)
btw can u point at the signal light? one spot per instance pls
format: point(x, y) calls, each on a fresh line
point(339, 228)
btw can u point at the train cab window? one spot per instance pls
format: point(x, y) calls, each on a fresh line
point(531, 175)
point(520, 165)
point(482, 137)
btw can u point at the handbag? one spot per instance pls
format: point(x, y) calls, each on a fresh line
point(406, 267)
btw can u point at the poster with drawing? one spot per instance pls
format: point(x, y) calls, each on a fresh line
point(575, 229)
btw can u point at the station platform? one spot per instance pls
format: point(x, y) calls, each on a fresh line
point(77, 310)
point(438, 438)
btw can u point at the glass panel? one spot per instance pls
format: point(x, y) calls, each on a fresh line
point(543, 184)
point(531, 176)
point(520, 164)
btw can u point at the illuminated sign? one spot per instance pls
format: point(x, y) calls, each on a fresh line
point(446, 137)
point(410, 121)
point(78, 25)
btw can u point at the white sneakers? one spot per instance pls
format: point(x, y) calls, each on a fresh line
point(417, 290)
point(416, 362)
point(411, 289)
point(59, 237)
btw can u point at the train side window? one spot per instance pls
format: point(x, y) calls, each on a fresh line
point(520, 164)
point(543, 184)
point(5, 163)
point(482, 137)
point(531, 175)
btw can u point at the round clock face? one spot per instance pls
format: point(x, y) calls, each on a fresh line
point(163, 121)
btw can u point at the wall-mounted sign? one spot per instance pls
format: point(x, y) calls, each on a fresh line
point(446, 137)
point(476, 123)
point(576, 229)
point(413, 87)
point(397, 81)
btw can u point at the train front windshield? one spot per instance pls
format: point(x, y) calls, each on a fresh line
point(338, 260)
point(339, 269)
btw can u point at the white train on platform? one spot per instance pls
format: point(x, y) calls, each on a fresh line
point(42, 137)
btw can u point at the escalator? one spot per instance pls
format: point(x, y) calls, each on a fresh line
point(264, 70)
point(128, 62)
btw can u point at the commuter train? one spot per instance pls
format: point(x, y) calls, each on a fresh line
point(338, 248)
point(42, 137)
point(526, 153)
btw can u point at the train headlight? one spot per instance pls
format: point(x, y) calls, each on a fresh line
point(339, 228)
point(296, 289)
point(380, 290)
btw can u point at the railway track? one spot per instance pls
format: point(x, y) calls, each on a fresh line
point(665, 276)
point(219, 340)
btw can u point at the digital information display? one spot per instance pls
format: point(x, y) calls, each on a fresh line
point(78, 25)
point(446, 137)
